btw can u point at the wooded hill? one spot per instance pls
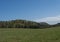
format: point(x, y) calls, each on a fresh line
point(22, 24)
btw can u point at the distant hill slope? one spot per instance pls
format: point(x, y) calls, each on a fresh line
point(22, 24)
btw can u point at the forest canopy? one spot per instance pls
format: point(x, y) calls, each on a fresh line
point(25, 24)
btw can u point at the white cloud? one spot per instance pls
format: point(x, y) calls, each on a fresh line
point(50, 20)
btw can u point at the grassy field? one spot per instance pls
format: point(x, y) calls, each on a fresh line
point(30, 35)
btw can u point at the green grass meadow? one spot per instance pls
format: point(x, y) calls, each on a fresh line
point(30, 35)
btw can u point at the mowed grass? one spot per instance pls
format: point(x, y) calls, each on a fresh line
point(30, 35)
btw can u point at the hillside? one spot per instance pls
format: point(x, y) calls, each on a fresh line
point(22, 24)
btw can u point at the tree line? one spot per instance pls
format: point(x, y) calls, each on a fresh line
point(25, 24)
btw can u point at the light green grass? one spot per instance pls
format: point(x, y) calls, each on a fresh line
point(30, 35)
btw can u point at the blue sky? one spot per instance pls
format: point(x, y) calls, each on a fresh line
point(29, 9)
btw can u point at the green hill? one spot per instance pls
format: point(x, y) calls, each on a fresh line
point(22, 24)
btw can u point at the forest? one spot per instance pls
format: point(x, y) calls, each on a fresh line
point(25, 24)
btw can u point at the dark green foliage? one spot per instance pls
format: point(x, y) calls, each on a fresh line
point(23, 24)
point(55, 25)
